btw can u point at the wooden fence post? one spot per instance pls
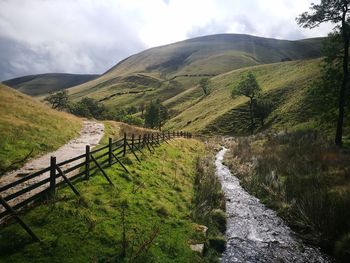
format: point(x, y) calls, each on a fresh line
point(139, 142)
point(132, 141)
point(87, 162)
point(110, 151)
point(52, 188)
point(124, 146)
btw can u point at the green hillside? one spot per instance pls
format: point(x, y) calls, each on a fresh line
point(27, 125)
point(41, 84)
point(285, 83)
point(165, 72)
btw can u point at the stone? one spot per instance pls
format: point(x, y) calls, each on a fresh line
point(199, 248)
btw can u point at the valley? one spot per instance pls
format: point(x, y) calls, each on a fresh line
point(172, 193)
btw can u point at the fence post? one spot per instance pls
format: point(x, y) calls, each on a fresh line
point(87, 162)
point(132, 141)
point(152, 137)
point(139, 141)
point(52, 189)
point(110, 151)
point(124, 146)
point(163, 135)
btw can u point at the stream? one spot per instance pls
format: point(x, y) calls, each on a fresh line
point(254, 232)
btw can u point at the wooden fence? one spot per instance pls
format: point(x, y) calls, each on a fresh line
point(43, 183)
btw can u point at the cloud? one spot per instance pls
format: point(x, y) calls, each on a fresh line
point(78, 36)
point(88, 36)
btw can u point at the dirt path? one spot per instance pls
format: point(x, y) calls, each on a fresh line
point(254, 232)
point(90, 134)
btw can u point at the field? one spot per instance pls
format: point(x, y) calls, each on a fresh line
point(156, 198)
point(28, 126)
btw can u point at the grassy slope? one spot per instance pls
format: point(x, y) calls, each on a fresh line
point(214, 112)
point(42, 84)
point(94, 222)
point(204, 55)
point(26, 125)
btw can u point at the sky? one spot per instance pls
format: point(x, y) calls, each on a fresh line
point(91, 36)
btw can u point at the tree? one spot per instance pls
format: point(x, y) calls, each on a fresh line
point(142, 108)
point(152, 115)
point(163, 115)
point(58, 100)
point(249, 87)
point(204, 85)
point(262, 109)
point(155, 115)
point(336, 12)
point(88, 107)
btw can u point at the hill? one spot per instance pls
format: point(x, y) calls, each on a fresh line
point(27, 125)
point(286, 84)
point(166, 71)
point(41, 84)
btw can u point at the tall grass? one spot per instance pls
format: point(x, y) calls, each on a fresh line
point(209, 205)
point(305, 178)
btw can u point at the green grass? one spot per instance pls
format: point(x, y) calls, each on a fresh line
point(218, 111)
point(217, 54)
point(89, 229)
point(26, 125)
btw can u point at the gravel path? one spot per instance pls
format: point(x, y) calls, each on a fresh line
point(254, 232)
point(90, 134)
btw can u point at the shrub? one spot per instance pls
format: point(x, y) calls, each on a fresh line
point(218, 243)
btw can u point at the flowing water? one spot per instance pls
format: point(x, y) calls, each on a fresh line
point(255, 233)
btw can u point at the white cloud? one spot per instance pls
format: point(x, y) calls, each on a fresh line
point(87, 36)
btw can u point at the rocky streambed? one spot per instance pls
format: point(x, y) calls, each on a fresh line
point(254, 232)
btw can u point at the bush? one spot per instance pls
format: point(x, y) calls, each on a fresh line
point(218, 217)
point(218, 243)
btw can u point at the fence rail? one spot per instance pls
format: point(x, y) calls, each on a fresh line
point(44, 183)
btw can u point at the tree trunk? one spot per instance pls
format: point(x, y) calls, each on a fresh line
point(341, 101)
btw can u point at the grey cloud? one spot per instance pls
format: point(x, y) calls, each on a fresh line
point(90, 42)
point(211, 28)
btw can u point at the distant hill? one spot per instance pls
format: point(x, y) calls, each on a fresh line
point(41, 84)
point(166, 72)
point(29, 126)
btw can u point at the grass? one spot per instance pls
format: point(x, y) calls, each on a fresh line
point(27, 125)
point(157, 194)
point(217, 111)
point(305, 179)
point(116, 130)
point(150, 71)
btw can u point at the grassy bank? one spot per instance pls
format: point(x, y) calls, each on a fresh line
point(305, 179)
point(29, 128)
point(147, 217)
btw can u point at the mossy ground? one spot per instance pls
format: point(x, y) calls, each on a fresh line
point(157, 193)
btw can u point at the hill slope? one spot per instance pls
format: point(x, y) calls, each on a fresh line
point(36, 85)
point(27, 125)
point(284, 83)
point(164, 72)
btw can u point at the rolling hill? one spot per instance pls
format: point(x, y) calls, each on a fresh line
point(165, 72)
point(286, 84)
point(27, 125)
point(38, 85)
